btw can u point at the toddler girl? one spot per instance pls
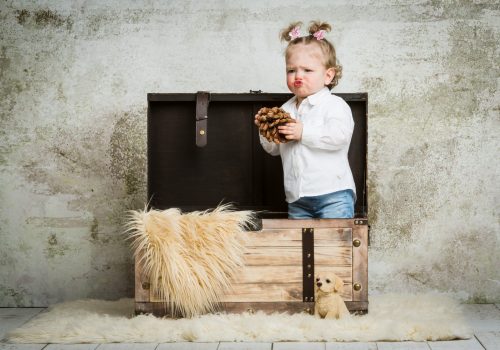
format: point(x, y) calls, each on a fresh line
point(317, 177)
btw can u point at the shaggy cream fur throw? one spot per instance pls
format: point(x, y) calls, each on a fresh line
point(391, 318)
point(190, 258)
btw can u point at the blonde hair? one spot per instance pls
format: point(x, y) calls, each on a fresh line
point(326, 47)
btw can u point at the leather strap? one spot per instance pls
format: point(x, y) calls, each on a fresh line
point(308, 264)
point(202, 101)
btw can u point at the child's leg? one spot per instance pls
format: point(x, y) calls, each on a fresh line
point(336, 205)
point(300, 209)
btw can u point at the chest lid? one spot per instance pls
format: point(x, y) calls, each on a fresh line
point(204, 149)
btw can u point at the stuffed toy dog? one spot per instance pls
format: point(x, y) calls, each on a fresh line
point(329, 303)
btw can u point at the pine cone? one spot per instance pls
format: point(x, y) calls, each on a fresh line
point(269, 119)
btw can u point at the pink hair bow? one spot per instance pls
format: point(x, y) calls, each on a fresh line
point(294, 33)
point(320, 34)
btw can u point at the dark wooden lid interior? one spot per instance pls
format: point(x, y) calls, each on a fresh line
point(232, 166)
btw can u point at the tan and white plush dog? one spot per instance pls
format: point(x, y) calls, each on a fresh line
point(329, 303)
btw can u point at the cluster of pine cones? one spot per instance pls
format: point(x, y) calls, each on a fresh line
point(270, 119)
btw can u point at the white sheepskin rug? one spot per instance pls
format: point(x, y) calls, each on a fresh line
point(425, 317)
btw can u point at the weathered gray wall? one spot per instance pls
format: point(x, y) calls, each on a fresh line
point(74, 78)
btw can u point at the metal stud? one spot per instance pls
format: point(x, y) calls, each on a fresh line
point(145, 285)
point(357, 287)
point(356, 243)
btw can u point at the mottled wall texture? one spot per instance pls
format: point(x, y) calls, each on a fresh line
point(74, 78)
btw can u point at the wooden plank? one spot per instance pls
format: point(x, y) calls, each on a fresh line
point(71, 347)
point(11, 318)
point(270, 291)
point(278, 256)
point(332, 237)
point(298, 346)
point(128, 346)
point(22, 346)
point(268, 307)
point(264, 292)
point(361, 307)
point(158, 309)
point(469, 344)
point(489, 340)
point(244, 346)
point(344, 272)
point(141, 294)
point(406, 345)
point(292, 237)
point(300, 223)
point(286, 274)
point(255, 292)
point(356, 307)
point(187, 346)
point(351, 346)
point(482, 317)
point(360, 263)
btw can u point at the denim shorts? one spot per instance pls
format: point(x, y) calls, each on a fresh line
point(335, 205)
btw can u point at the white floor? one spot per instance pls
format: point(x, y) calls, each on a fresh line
point(484, 320)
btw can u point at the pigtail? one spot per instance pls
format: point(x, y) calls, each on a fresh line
point(316, 26)
point(285, 33)
point(328, 48)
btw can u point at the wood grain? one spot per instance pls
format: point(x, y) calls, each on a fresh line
point(360, 263)
point(141, 294)
point(283, 256)
point(301, 223)
point(286, 274)
point(267, 307)
point(272, 274)
point(286, 237)
point(255, 292)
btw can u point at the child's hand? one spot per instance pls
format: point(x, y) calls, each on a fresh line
point(292, 131)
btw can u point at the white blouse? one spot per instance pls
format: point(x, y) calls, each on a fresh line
point(318, 163)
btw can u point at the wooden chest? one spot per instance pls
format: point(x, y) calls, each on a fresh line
point(203, 149)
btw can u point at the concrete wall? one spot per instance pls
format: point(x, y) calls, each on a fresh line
point(74, 78)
